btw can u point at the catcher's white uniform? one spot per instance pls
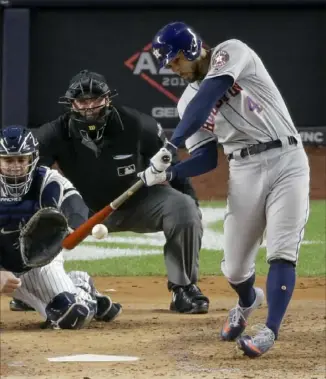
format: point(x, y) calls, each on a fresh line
point(41, 285)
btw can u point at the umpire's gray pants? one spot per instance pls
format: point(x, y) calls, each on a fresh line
point(162, 208)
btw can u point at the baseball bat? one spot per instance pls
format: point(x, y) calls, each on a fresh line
point(79, 234)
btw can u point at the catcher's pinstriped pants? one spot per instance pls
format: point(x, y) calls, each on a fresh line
point(40, 285)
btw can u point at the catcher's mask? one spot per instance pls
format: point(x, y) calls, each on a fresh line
point(19, 154)
point(88, 100)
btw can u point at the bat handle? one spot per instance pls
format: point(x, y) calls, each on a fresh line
point(166, 158)
point(123, 197)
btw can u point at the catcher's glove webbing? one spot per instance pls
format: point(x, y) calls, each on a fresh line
point(40, 239)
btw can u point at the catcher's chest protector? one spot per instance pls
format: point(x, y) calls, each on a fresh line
point(13, 215)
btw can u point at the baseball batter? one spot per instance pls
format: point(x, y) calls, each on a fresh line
point(65, 300)
point(232, 98)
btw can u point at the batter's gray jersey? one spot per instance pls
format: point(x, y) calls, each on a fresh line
point(252, 111)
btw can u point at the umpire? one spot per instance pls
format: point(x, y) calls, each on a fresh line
point(100, 148)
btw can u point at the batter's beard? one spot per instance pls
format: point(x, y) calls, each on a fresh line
point(198, 74)
point(201, 68)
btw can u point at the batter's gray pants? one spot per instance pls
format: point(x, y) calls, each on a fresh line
point(162, 208)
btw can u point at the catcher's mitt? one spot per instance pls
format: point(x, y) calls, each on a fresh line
point(40, 239)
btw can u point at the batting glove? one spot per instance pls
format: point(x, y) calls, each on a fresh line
point(150, 176)
point(162, 159)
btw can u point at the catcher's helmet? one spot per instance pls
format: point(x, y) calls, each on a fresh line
point(19, 154)
point(175, 37)
point(88, 122)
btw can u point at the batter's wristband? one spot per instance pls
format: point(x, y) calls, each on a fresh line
point(169, 175)
point(170, 147)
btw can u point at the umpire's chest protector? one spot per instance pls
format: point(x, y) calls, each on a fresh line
point(101, 177)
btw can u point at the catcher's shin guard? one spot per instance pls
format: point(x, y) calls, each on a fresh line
point(106, 309)
point(64, 312)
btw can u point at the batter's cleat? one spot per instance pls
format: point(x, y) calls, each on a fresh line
point(236, 322)
point(107, 310)
point(198, 298)
point(258, 345)
point(16, 305)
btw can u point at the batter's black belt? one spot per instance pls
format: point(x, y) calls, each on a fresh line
point(260, 147)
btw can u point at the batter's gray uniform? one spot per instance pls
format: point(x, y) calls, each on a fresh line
point(269, 190)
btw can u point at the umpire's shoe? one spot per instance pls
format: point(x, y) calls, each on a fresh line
point(197, 297)
point(183, 301)
point(19, 306)
point(106, 309)
point(236, 322)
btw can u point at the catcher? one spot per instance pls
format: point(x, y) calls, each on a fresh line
point(38, 207)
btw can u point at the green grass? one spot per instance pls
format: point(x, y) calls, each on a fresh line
point(312, 259)
point(123, 234)
point(217, 225)
point(316, 226)
point(121, 245)
point(311, 263)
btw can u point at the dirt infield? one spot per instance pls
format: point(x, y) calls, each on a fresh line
point(213, 185)
point(168, 345)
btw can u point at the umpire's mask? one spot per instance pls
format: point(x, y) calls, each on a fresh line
point(88, 99)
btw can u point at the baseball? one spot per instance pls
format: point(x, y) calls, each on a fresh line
point(99, 231)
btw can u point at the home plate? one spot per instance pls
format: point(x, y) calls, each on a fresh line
point(93, 358)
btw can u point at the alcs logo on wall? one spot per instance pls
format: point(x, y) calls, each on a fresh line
point(143, 64)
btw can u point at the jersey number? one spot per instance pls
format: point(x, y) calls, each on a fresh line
point(253, 106)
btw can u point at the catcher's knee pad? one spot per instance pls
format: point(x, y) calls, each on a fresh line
point(65, 312)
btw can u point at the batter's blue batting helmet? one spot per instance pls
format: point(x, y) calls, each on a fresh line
point(175, 37)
